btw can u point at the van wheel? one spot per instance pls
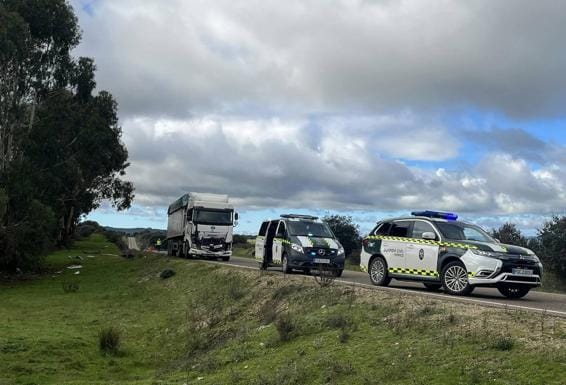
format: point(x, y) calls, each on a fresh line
point(378, 272)
point(285, 265)
point(225, 259)
point(307, 271)
point(514, 291)
point(263, 265)
point(432, 286)
point(338, 273)
point(454, 278)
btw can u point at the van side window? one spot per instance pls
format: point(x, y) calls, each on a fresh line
point(383, 229)
point(421, 227)
point(400, 229)
point(263, 229)
point(281, 230)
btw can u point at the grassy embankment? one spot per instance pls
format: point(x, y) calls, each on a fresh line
point(216, 325)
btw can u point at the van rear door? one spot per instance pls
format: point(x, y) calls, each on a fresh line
point(260, 242)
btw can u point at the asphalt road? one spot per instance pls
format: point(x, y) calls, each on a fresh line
point(552, 304)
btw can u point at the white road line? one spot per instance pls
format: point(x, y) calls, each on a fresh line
point(427, 294)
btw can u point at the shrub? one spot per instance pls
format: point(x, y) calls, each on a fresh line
point(338, 321)
point(285, 326)
point(109, 340)
point(268, 312)
point(503, 343)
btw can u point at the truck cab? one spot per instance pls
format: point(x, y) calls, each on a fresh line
point(201, 225)
point(298, 242)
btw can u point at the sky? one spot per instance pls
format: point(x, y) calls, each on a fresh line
point(367, 108)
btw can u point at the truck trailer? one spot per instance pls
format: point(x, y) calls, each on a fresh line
point(201, 225)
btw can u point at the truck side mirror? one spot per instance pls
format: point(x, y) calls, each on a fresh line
point(236, 216)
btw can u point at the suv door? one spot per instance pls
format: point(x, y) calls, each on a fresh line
point(421, 256)
point(394, 250)
point(278, 242)
point(260, 241)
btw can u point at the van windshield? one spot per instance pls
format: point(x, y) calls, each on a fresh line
point(463, 232)
point(309, 229)
point(213, 217)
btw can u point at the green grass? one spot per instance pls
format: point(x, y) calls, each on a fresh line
point(216, 325)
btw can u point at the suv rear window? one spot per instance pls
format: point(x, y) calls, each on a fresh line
point(383, 229)
point(400, 229)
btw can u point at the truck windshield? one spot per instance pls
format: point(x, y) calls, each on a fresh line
point(213, 217)
point(463, 232)
point(309, 229)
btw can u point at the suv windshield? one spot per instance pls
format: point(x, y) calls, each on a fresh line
point(213, 217)
point(309, 229)
point(463, 232)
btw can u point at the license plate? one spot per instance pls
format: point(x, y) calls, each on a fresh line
point(321, 260)
point(522, 272)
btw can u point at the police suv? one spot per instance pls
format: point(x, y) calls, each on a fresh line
point(298, 242)
point(435, 248)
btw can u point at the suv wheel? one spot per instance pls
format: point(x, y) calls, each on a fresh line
point(378, 272)
point(454, 279)
point(514, 291)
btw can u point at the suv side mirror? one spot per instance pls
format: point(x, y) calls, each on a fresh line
point(428, 235)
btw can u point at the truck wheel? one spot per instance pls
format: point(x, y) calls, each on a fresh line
point(454, 278)
point(338, 273)
point(263, 265)
point(225, 259)
point(285, 265)
point(307, 271)
point(378, 272)
point(432, 286)
point(514, 291)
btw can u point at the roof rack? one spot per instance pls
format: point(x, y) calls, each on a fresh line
point(435, 214)
point(299, 216)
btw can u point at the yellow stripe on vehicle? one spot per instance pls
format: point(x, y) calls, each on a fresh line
point(284, 241)
point(422, 241)
point(421, 272)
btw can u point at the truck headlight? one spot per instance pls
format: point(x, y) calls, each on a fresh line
point(297, 248)
point(340, 251)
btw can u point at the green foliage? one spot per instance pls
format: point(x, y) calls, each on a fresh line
point(286, 326)
point(346, 231)
point(109, 340)
point(60, 146)
point(503, 343)
point(510, 234)
point(238, 239)
point(552, 244)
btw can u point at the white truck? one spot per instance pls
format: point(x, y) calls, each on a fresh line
point(201, 225)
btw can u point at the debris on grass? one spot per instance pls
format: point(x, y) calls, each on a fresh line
point(74, 267)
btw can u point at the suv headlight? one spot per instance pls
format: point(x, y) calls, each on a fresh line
point(340, 251)
point(484, 253)
point(297, 248)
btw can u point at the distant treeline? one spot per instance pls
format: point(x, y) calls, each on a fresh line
point(61, 152)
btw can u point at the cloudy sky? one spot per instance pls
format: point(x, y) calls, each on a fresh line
point(368, 108)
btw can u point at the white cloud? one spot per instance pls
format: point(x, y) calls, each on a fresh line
point(180, 57)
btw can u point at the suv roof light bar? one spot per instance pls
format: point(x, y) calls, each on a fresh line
point(435, 214)
point(299, 216)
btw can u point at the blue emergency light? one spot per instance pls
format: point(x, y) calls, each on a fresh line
point(435, 214)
